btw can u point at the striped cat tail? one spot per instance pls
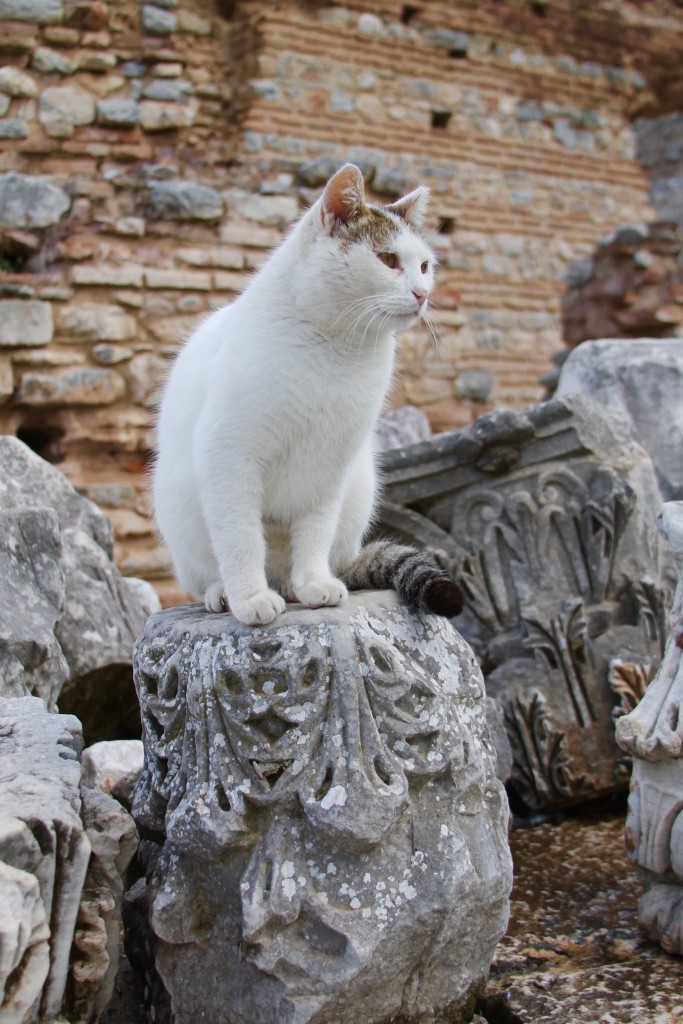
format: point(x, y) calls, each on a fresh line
point(420, 584)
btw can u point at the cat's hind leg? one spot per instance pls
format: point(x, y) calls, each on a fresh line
point(233, 517)
point(358, 505)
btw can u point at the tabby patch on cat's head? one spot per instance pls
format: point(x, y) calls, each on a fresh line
point(345, 214)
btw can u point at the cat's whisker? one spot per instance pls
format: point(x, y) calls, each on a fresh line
point(352, 333)
point(433, 332)
point(385, 314)
point(381, 325)
point(366, 301)
point(376, 310)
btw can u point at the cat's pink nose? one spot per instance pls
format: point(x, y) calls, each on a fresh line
point(421, 297)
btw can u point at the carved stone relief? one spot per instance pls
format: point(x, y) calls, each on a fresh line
point(653, 735)
point(332, 835)
point(546, 517)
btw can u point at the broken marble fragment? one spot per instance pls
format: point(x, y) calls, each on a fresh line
point(653, 734)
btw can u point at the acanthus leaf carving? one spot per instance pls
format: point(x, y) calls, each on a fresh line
point(542, 770)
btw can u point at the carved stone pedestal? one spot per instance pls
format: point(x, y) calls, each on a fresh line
point(331, 840)
point(653, 734)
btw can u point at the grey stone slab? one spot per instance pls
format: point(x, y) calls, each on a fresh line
point(68, 619)
point(156, 21)
point(644, 379)
point(42, 12)
point(28, 201)
point(122, 113)
point(547, 519)
point(184, 200)
point(25, 323)
point(80, 386)
point(333, 840)
point(32, 602)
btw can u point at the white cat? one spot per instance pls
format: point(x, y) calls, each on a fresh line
point(265, 481)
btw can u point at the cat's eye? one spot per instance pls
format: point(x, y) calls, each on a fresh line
point(389, 259)
point(425, 267)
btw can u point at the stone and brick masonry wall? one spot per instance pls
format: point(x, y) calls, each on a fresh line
point(152, 154)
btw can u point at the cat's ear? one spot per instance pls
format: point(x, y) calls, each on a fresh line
point(343, 198)
point(413, 207)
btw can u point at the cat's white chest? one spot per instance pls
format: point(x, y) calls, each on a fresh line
point(328, 413)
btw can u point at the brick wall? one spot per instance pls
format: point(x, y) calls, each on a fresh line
point(151, 154)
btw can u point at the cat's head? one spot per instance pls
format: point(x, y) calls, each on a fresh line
point(381, 267)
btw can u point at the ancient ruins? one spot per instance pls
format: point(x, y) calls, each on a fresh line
point(319, 830)
point(151, 154)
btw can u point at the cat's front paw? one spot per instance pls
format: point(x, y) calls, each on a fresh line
point(259, 609)
point(317, 593)
point(215, 599)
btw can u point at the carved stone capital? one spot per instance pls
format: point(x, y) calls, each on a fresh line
point(546, 518)
point(323, 794)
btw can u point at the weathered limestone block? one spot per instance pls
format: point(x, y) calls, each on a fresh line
point(68, 620)
point(17, 83)
point(25, 323)
point(546, 517)
point(332, 835)
point(42, 841)
point(86, 322)
point(63, 854)
point(403, 426)
point(113, 766)
point(643, 378)
point(31, 604)
point(653, 734)
point(44, 12)
point(80, 386)
point(118, 112)
point(63, 108)
point(156, 21)
point(184, 200)
point(161, 117)
point(50, 62)
point(30, 202)
point(13, 128)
